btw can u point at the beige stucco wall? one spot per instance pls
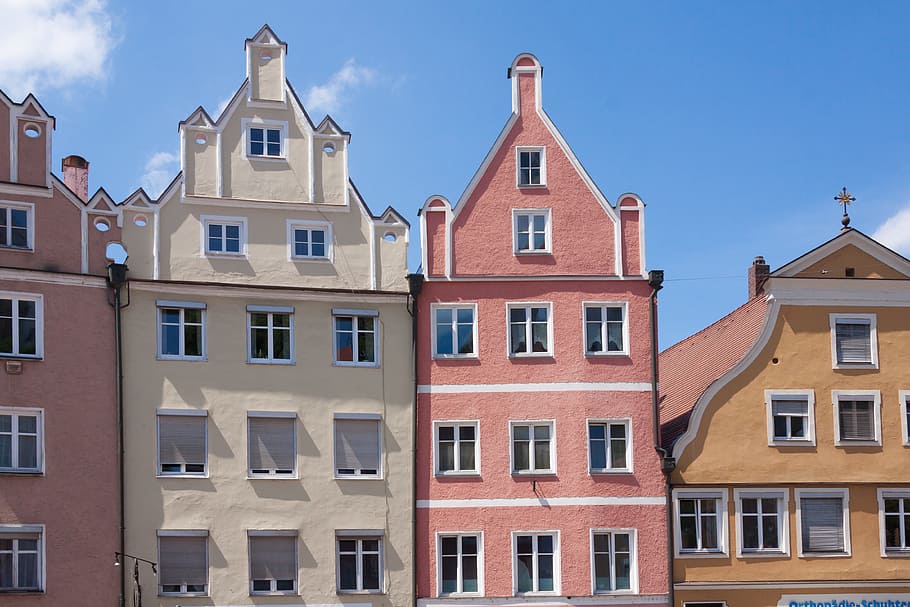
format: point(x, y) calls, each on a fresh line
point(227, 503)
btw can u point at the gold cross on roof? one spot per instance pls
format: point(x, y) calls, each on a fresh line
point(844, 198)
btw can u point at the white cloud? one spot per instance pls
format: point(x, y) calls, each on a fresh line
point(52, 44)
point(895, 231)
point(330, 96)
point(222, 105)
point(159, 171)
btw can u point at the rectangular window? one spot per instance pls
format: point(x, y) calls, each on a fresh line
point(20, 325)
point(454, 331)
point(459, 563)
point(791, 417)
point(853, 341)
point(530, 330)
point(531, 230)
point(309, 240)
point(605, 329)
point(358, 447)
point(273, 562)
point(457, 448)
point(612, 553)
point(183, 567)
point(21, 433)
point(359, 564)
point(904, 396)
point(857, 417)
point(356, 337)
point(700, 522)
point(762, 522)
point(823, 519)
point(894, 506)
point(225, 236)
point(16, 226)
point(531, 166)
point(265, 141)
point(271, 334)
point(182, 443)
point(272, 444)
point(535, 562)
point(532, 447)
point(181, 330)
point(21, 558)
point(608, 444)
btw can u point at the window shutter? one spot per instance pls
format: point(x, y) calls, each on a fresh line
point(789, 407)
point(856, 420)
point(183, 560)
point(823, 524)
point(181, 439)
point(357, 444)
point(273, 557)
point(272, 445)
point(854, 343)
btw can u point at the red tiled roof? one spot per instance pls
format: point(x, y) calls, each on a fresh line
point(688, 367)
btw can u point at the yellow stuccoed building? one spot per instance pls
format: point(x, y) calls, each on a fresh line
point(269, 388)
point(788, 420)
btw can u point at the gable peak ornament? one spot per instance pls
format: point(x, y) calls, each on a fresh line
point(845, 198)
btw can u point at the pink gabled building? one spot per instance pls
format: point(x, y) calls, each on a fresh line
point(59, 514)
point(537, 475)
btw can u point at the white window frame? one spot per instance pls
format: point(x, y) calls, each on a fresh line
point(901, 493)
point(876, 397)
point(543, 165)
point(551, 471)
point(29, 208)
point(182, 306)
point(39, 442)
point(223, 220)
point(291, 415)
point(255, 123)
point(184, 413)
point(548, 231)
point(809, 395)
point(722, 550)
point(296, 224)
point(379, 428)
point(703, 603)
point(433, 329)
point(549, 353)
point(603, 305)
point(460, 581)
point(904, 396)
point(625, 421)
point(39, 323)
point(7, 530)
point(185, 533)
point(869, 319)
point(251, 533)
point(457, 424)
point(557, 569)
point(359, 535)
point(633, 558)
point(783, 521)
point(377, 336)
point(270, 330)
point(842, 493)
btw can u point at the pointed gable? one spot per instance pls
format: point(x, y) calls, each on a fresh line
point(851, 254)
point(531, 204)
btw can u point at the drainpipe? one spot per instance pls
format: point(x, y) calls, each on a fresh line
point(667, 463)
point(116, 278)
point(415, 284)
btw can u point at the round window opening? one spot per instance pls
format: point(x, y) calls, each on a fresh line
point(31, 131)
point(102, 225)
point(266, 56)
point(329, 148)
point(141, 220)
point(200, 139)
point(389, 237)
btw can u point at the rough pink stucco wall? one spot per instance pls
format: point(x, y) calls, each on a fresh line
point(77, 497)
point(32, 155)
point(4, 137)
point(436, 243)
point(58, 237)
point(631, 251)
point(97, 244)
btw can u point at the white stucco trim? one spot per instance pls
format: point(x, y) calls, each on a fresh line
point(527, 502)
point(541, 387)
point(258, 293)
point(39, 277)
point(544, 601)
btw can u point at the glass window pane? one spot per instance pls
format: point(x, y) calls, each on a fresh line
point(170, 340)
point(274, 135)
point(539, 333)
point(593, 341)
point(370, 571)
point(602, 572)
point(521, 456)
point(750, 532)
point(618, 453)
point(769, 532)
point(6, 423)
point(446, 456)
point(521, 432)
point(447, 433)
point(623, 572)
point(469, 573)
point(545, 575)
point(540, 221)
point(449, 574)
point(347, 571)
point(259, 344)
point(545, 543)
point(28, 424)
point(6, 451)
point(366, 347)
point(28, 341)
point(28, 451)
point(525, 566)
point(542, 455)
point(466, 455)
point(465, 339)
point(281, 344)
point(523, 223)
point(614, 337)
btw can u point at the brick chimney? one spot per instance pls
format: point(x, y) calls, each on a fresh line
point(759, 271)
point(75, 176)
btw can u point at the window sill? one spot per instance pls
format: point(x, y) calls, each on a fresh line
point(454, 357)
point(16, 250)
point(899, 553)
point(17, 591)
point(541, 593)
point(267, 158)
point(531, 355)
point(611, 472)
point(763, 554)
point(457, 473)
point(535, 252)
point(345, 592)
point(12, 472)
point(843, 366)
point(530, 186)
point(217, 255)
point(184, 475)
point(9, 355)
point(362, 477)
point(183, 594)
point(342, 363)
point(716, 554)
point(531, 473)
point(269, 361)
point(459, 595)
point(624, 591)
point(858, 443)
point(783, 442)
point(311, 260)
point(276, 593)
point(607, 354)
point(273, 477)
point(825, 555)
point(183, 358)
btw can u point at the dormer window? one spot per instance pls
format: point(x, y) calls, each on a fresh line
point(531, 166)
point(265, 142)
point(16, 226)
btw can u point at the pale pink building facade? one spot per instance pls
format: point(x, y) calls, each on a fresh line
point(537, 477)
point(58, 416)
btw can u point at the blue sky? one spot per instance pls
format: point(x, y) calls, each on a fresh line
point(735, 122)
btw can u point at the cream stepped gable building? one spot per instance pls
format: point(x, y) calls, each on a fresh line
point(269, 393)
